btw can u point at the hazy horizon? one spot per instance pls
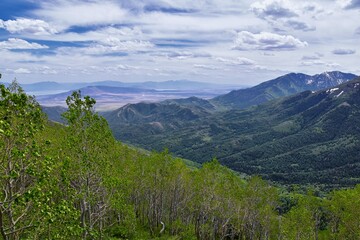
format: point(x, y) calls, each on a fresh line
point(228, 42)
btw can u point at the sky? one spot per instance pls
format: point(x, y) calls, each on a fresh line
point(219, 41)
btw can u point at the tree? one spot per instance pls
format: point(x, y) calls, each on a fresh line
point(304, 220)
point(22, 167)
point(345, 210)
point(88, 144)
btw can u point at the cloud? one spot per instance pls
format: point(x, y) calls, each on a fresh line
point(125, 67)
point(180, 55)
point(16, 43)
point(312, 8)
point(18, 71)
point(316, 56)
point(67, 13)
point(236, 61)
point(285, 13)
point(312, 63)
point(244, 61)
point(120, 31)
point(342, 51)
point(266, 41)
point(109, 45)
point(320, 63)
point(357, 31)
point(207, 67)
point(120, 44)
point(297, 25)
point(181, 7)
point(28, 26)
point(353, 4)
point(272, 9)
point(46, 70)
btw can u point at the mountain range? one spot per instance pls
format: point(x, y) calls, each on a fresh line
point(280, 87)
point(41, 88)
point(113, 94)
point(308, 137)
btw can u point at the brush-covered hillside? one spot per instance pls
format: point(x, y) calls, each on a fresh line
point(75, 181)
point(310, 137)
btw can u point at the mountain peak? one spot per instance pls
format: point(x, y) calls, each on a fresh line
point(282, 86)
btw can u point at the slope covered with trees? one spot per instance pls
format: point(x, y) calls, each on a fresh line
point(75, 181)
point(310, 137)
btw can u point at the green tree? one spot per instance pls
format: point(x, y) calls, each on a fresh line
point(23, 169)
point(88, 144)
point(304, 220)
point(345, 210)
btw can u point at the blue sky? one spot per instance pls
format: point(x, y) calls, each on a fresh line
point(218, 41)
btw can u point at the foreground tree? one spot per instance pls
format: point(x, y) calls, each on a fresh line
point(88, 144)
point(22, 168)
point(345, 211)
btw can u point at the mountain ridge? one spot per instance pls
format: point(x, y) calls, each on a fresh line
point(309, 137)
point(39, 87)
point(280, 87)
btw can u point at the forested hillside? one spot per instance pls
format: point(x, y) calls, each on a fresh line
point(75, 181)
point(307, 138)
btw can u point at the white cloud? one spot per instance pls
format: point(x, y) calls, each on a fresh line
point(120, 32)
point(206, 67)
point(114, 45)
point(244, 61)
point(16, 43)
point(236, 61)
point(125, 67)
point(67, 13)
point(19, 71)
point(108, 46)
point(28, 26)
point(274, 9)
point(266, 41)
point(98, 34)
point(181, 38)
point(47, 70)
point(320, 63)
point(182, 55)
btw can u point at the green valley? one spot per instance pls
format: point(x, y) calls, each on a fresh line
point(308, 138)
point(75, 181)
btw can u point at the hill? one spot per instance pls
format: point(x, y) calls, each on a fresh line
point(77, 182)
point(54, 113)
point(311, 137)
point(151, 118)
point(280, 87)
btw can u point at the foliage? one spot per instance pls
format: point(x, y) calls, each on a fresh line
point(308, 138)
point(77, 182)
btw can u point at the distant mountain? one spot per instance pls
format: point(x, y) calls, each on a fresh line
point(162, 85)
point(184, 85)
point(310, 137)
point(280, 87)
point(54, 113)
point(110, 97)
point(44, 88)
point(153, 118)
point(192, 102)
point(98, 92)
